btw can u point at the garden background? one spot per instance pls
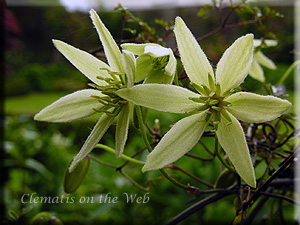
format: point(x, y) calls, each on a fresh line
point(37, 154)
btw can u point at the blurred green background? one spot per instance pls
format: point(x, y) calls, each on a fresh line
point(38, 153)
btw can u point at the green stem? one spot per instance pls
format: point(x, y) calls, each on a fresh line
point(149, 148)
point(220, 157)
point(287, 72)
point(141, 125)
point(176, 79)
point(111, 150)
point(166, 175)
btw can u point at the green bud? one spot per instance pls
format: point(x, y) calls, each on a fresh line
point(211, 82)
point(218, 89)
point(213, 102)
point(74, 179)
point(216, 108)
point(202, 108)
point(199, 88)
point(225, 179)
point(195, 99)
point(206, 90)
point(226, 115)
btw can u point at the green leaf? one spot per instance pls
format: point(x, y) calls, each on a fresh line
point(71, 107)
point(86, 63)
point(111, 49)
point(257, 72)
point(232, 139)
point(97, 133)
point(143, 67)
point(122, 129)
point(235, 63)
point(264, 60)
point(180, 139)
point(162, 97)
point(129, 66)
point(193, 58)
point(74, 179)
point(256, 108)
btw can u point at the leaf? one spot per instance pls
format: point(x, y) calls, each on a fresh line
point(256, 108)
point(98, 131)
point(129, 66)
point(235, 63)
point(122, 129)
point(71, 107)
point(193, 58)
point(86, 63)
point(162, 97)
point(111, 49)
point(180, 139)
point(74, 179)
point(232, 139)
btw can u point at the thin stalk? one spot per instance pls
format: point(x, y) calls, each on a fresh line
point(149, 148)
point(103, 163)
point(221, 158)
point(111, 150)
point(141, 125)
point(287, 72)
point(133, 182)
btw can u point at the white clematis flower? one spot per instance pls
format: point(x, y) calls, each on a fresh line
point(259, 60)
point(215, 103)
point(118, 74)
point(155, 64)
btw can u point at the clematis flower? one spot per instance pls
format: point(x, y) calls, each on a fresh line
point(216, 102)
point(259, 59)
point(107, 79)
point(155, 64)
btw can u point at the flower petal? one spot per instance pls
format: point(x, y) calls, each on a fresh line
point(256, 108)
point(264, 60)
point(97, 133)
point(137, 49)
point(264, 43)
point(162, 97)
point(122, 129)
point(193, 58)
point(257, 72)
point(86, 63)
point(235, 63)
point(71, 107)
point(129, 66)
point(232, 139)
point(111, 49)
point(180, 139)
point(171, 66)
point(143, 67)
point(156, 51)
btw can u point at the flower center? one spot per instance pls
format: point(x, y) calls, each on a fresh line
point(213, 102)
point(112, 103)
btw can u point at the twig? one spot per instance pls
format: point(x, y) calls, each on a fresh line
point(194, 208)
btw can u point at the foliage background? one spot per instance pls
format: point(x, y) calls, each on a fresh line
point(37, 154)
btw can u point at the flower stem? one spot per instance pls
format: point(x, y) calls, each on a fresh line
point(149, 148)
point(220, 157)
point(141, 125)
point(111, 150)
point(287, 72)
